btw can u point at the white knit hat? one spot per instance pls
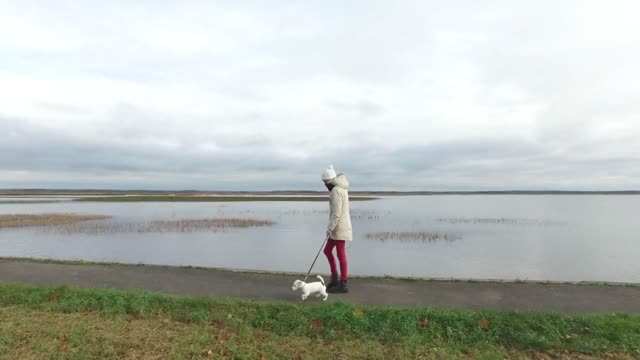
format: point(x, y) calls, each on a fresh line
point(329, 174)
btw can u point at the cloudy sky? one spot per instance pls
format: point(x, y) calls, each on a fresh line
point(259, 95)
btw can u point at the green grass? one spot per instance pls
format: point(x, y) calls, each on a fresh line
point(373, 330)
point(221, 198)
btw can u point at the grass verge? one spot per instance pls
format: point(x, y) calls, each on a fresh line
point(220, 198)
point(62, 322)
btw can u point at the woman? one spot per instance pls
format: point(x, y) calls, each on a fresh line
point(339, 229)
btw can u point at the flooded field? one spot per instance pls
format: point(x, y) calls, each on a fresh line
point(541, 237)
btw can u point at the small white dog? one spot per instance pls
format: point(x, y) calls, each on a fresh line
point(317, 288)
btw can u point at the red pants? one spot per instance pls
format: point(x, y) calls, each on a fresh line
point(342, 258)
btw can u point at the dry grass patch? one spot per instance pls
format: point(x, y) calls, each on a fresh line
point(413, 236)
point(181, 225)
point(197, 224)
point(502, 221)
point(30, 220)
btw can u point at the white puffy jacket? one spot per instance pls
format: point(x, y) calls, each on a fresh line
point(339, 216)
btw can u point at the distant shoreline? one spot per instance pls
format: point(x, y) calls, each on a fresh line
point(102, 192)
point(211, 198)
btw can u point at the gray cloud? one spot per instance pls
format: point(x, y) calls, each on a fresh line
point(416, 95)
point(480, 163)
point(363, 108)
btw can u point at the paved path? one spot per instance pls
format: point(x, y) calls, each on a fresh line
point(461, 295)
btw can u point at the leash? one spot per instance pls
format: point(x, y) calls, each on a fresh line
point(314, 260)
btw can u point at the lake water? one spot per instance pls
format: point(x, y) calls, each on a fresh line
point(541, 237)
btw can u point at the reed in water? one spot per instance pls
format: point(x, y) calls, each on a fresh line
point(32, 220)
point(411, 236)
point(161, 226)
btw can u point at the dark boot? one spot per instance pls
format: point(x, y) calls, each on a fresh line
point(333, 284)
point(340, 289)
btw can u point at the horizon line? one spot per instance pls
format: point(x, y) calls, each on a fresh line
point(69, 190)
